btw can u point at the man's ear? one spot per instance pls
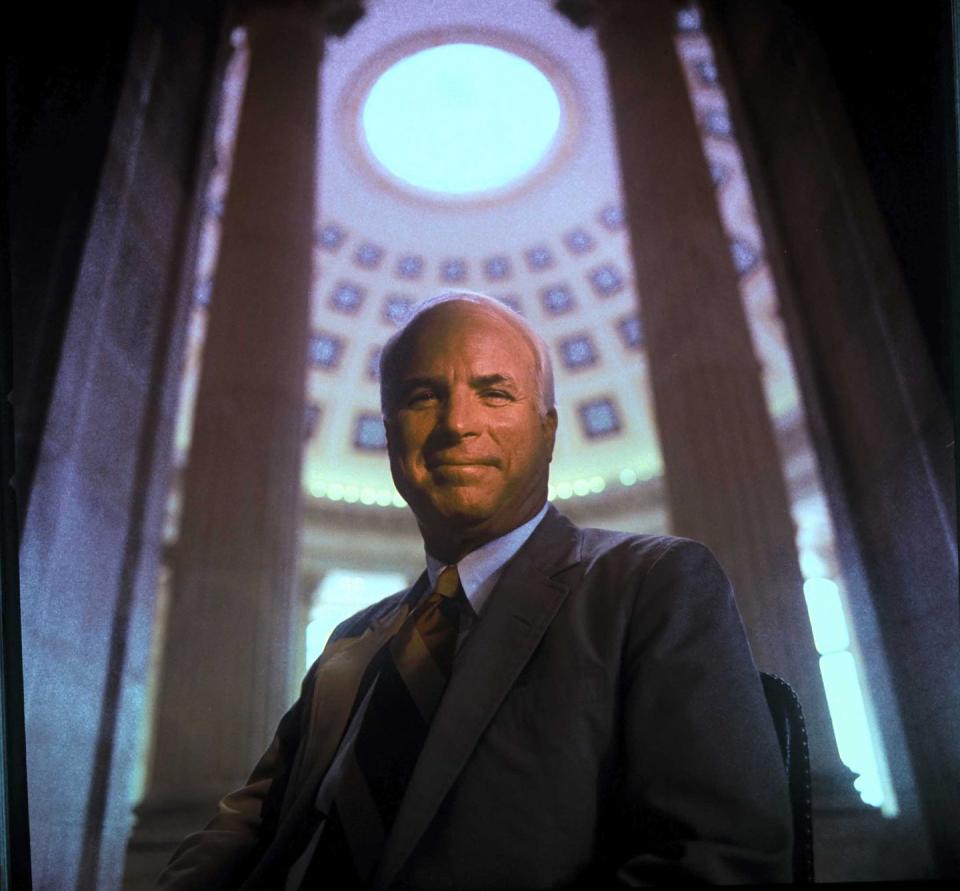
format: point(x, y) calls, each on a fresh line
point(550, 430)
point(388, 428)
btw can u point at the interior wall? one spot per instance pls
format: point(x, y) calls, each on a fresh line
point(893, 70)
point(61, 96)
point(91, 534)
point(881, 420)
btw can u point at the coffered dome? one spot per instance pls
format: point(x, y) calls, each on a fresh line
point(479, 153)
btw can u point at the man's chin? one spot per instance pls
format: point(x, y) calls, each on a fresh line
point(457, 510)
point(466, 516)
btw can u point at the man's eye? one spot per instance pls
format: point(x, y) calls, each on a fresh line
point(497, 395)
point(420, 396)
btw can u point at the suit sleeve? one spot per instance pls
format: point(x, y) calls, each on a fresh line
point(705, 789)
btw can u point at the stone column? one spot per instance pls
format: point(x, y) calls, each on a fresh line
point(722, 470)
point(308, 582)
point(226, 669)
point(883, 427)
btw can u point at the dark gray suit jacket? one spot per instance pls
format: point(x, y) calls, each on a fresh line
point(604, 722)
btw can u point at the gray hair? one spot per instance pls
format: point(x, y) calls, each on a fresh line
point(541, 351)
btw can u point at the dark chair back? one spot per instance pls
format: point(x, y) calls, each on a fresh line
point(792, 734)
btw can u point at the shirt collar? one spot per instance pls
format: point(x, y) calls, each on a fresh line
point(480, 570)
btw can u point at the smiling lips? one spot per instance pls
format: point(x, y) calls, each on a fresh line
point(480, 461)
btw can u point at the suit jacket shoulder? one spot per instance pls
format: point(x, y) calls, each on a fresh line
point(362, 619)
point(637, 565)
point(637, 549)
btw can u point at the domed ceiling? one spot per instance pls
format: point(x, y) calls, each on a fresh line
point(543, 231)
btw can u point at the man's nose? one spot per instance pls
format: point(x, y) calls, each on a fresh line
point(460, 413)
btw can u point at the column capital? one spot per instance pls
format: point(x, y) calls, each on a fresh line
point(336, 16)
point(583, 13)
point(593, 13)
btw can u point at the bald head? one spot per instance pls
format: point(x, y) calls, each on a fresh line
point(398, 346)
point(464, 388)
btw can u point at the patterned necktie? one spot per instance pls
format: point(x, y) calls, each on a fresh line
point(414, 668)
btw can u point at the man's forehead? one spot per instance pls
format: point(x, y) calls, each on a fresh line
point(446, 328)
point(416, 377)
point(456, 313)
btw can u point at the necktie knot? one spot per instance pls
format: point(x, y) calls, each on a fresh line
point(448, 581)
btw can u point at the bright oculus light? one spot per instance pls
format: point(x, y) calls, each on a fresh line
point(461, 118)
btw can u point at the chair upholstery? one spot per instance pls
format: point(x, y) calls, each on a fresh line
point(787, 716)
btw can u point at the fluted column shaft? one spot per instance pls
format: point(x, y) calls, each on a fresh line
point(721, 465)
point(225, 672)
point(225, 675)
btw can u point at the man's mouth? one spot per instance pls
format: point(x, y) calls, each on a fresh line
point(482, 461)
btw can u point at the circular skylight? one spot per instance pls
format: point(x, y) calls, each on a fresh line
point(461, 119)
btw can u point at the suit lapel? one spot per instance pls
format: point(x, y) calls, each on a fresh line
point(338, 679)
point(339, 673)
point(521, 607)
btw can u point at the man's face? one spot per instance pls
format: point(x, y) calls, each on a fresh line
point(469, 448)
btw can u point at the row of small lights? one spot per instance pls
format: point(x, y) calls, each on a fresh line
point(386, 497)
point(352, 494)
point(592, 486)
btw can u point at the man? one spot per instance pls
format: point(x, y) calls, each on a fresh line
point(546, 706)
